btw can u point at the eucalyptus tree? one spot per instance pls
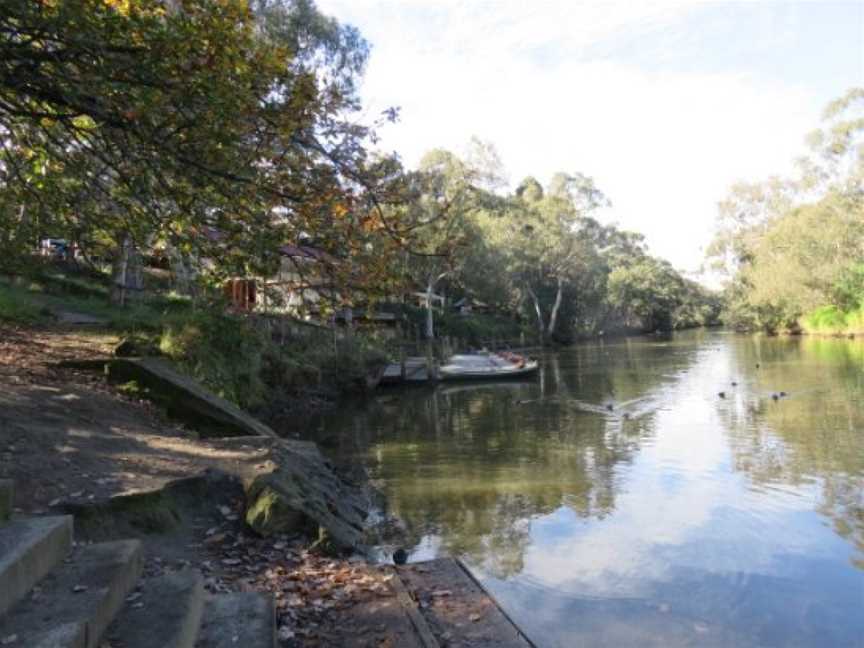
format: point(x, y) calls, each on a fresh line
point(789, 245)
point(442, 195)
point(550, 241)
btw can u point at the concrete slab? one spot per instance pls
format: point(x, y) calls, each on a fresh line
point(29, 549)
point(75, 603)
point(166, 613)
point(186, 399)
point(7, 493)
point(246, 619)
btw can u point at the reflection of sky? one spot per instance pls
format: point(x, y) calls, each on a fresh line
point(689, 540)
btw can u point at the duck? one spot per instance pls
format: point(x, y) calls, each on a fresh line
point(400, 556)
point(722, 394)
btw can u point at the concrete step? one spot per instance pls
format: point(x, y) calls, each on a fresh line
point(165, 613)
point(244, 619)
point(7, 492)
point(29, 549)
point(73, 605)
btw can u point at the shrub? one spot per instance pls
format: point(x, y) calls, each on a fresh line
point(222, 351)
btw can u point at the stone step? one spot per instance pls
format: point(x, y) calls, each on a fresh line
point(243, 619)
point(7, 492)
point(75, 603)
point(165, 613)
point(29, 549)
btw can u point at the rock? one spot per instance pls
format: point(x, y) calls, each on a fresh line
point(295, 489)
point(400, 556)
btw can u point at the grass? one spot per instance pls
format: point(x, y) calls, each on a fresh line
point(17, 306)
point(36, 300)
point(831, 320)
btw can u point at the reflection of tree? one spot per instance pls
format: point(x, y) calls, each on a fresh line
point(473, 465)
point(813, 435)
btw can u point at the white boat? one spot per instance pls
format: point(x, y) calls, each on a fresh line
point(487, 366)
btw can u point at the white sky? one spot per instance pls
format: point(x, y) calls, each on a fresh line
point(664, 104)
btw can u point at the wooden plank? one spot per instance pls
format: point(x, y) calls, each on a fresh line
point(410, 606)
point(458, 610)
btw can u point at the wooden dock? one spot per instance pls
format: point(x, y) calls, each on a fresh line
point(447, 606)
point(415, 371)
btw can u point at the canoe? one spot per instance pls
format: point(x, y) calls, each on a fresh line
point(485, 366)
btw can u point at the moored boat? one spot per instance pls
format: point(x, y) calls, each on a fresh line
point(487, 366)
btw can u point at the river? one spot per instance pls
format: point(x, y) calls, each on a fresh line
point(677, 518)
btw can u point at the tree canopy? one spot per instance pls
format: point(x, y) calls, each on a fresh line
point(792, 245)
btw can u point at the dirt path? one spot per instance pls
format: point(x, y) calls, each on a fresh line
point(67, 435)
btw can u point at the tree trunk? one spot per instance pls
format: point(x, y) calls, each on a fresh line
point(182, 271)
point(539, 313)
point(553, 318)
point(128, 284)
point(430, 324)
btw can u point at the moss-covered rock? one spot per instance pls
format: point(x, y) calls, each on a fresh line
point(298, 490)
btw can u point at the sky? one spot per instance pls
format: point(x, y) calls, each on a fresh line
point(665, 104)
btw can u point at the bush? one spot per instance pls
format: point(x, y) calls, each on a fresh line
point(832, 320)
point(348, 367)
point(222, 351)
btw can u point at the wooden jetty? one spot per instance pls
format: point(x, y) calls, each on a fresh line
point(447, 606)
point(432, 604)
point(415, 370)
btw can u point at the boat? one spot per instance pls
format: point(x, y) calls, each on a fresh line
point(486, 365)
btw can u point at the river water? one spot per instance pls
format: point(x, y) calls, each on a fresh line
point(678, 518)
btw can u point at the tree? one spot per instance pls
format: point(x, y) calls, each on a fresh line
point(443, 195)
point(788, 245)
point(160, 120)
point(550, 241)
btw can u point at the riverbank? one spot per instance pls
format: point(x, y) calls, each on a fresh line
point(73, 443)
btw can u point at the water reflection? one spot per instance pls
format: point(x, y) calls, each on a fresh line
point(677, 518)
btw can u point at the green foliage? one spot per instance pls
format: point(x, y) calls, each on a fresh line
point(220, 350)
point(151, 123)
point(848, 290)
point(474, 329)
point(831, 320)
point(792, 248)
point(348, 367)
